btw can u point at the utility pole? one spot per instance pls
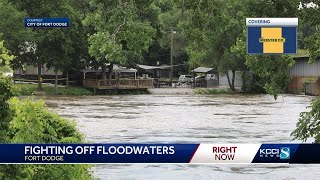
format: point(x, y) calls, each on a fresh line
point(171, 55)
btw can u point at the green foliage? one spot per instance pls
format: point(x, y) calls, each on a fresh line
point(121, 34)
point(5, 57)
point(103, 48)
point(31, 89)
point(309, 23)
point(11, 27)
point(308, 125)
point(212, 28)
point(216, 38)
point(273, 70)
point(32, 122)
point(57, 48)
point(27, 121)
point(45, 171)
point(252, 83)
point(169, 22)
point(7, 91)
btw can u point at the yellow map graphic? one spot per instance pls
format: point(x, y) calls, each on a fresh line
point(272, 40)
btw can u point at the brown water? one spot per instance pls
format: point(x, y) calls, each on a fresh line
point(188, 119)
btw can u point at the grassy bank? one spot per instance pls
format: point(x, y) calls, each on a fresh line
point(32, 89)
point(214, 91)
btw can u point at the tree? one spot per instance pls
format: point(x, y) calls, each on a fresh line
point(7, 91)
point(54, 47)
point(121, 35)
point(308, 125)
point(309, 17)
point(31, 122)
point(169, 22)
point(212, 28)
point(5, 57)
point(13, 33)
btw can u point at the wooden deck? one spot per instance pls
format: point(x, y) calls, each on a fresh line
point(118, 83)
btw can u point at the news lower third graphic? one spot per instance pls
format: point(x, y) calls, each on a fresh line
point(47, 22)
point(272, 35)
point(159, 153)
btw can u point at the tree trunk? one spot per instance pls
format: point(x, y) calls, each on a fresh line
point(55, 82)
point(228, 79)
point(67, 80)
point(104, 72)
point(233, 79)
point(231, 82)
point(39, 77)
point(110, 70)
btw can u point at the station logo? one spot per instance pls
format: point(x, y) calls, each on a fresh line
point(282, 153)
point(285, 153)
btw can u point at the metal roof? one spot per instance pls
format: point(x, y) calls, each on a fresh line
point(202, 70)
point(147, 67)
point(116, 68)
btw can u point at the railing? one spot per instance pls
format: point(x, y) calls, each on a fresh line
point(118, 83)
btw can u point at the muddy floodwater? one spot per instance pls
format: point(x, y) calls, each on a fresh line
point(188, 119)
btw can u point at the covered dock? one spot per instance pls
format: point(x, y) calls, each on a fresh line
point(118, 83)
point(124, 78)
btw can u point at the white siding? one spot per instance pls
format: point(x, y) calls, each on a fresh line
point(302, 68)
point(223, 80)
point(33, 70)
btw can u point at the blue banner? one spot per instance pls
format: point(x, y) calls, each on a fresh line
point(288, 153)
point(158, 153)
point(96, 153)
point(47, 22)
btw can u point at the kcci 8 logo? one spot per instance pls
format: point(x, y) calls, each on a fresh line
point(282, 152)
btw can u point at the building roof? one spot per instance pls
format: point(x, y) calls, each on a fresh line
point(116, 68)
point(202, 70)
point(147, 67)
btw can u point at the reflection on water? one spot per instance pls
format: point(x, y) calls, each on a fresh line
point(193, 119)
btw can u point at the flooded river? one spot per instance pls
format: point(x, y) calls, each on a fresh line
point(188, 119)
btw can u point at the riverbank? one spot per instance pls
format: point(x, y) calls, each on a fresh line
point(169, 90)
point(49, 90)
point(214, 91)
point(32, 89)
point(190, 91)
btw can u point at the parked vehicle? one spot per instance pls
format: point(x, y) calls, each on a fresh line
point(211, 77)
point(200, 78)
point(185, 79)
point(200, 81)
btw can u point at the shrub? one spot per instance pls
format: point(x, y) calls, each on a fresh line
point(308, 125)
point(7, 90)
point(31, 89)
point(28, 121)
